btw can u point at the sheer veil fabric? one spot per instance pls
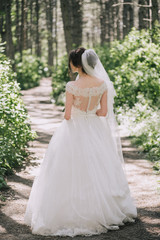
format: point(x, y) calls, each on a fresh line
point(93, 66)
point(81, 188)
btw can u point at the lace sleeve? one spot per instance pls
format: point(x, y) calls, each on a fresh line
point(94, 91)
point(104, 87)
point(69, 87)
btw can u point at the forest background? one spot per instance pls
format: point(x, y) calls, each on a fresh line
point(37, 35)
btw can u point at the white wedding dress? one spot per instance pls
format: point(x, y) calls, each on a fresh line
point(81, 188)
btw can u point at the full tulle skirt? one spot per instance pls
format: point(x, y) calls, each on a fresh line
point(81, 188)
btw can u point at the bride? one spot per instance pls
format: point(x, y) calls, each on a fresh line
point(82, 188)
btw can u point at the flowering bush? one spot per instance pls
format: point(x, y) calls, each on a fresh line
point(143, 123)
point(15, 130)
point(29, 70)
point(59, 78)
point(134, 67)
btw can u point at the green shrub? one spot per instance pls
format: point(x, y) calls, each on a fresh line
point(15, 130)
point(30, 70)
point(142, 121)
point(139, 74)
point(59, 79)
point(134, 67)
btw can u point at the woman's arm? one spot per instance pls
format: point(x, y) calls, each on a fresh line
point(103, 103)
point(68, 105)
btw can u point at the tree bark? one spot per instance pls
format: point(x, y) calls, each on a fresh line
point(115, 20)
point(67, 22)
point(30, 28)
point(103, 16)
point(108, 5)
point(9, 41)
point(120, 21)
point(143, 15)
point(136, 14)
point(24, 25)
point(49, 22)
point(127, 18)
point(2, 21)
point(55, 58)
point(72, 22)
point(22, 28)
point(77, 22)
point(154, 11)
point(17, 32)
point(38, 47)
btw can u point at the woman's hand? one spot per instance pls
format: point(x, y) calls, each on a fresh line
point(101, 113)
point(67, 117)
point(98, 112)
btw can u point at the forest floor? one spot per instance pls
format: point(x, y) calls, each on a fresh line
point(45, 118)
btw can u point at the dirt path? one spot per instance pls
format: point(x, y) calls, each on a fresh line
point(45, 119)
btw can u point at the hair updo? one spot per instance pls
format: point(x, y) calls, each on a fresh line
point(75, 56)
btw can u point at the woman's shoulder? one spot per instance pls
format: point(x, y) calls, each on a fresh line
point(70, 83)
point(69, 86)
point(77, 87)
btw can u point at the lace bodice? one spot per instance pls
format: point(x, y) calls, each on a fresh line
point(86, 99)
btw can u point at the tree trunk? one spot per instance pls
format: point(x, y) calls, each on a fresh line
point(154, 11)
point(67, 22)
point(135, 14)
point(49, 21)
point(30, 29)
point(9, 42)
point(77, 22)
point(158, 2)
point(23, 40)
point(108, 5)
point(2, 29)
point(17, 32)
point(38, 47)
point(127, 18)
point(55, 35)
point(2, 21)
point(112, 20)
point(115, 19)
point(22, 28)
point(120, 21)
point(25, 25)
point(103, 21)
point(143, 15)
point(72, 22)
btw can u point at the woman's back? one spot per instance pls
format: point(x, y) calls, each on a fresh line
point(87, 93)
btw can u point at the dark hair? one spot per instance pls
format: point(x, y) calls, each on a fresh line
point(75, 58)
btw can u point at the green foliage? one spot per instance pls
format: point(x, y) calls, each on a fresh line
point(155, 33)
point(59, 78)
point(143, 123)
point(134, 67)
point(15, 130)
point(29, 70)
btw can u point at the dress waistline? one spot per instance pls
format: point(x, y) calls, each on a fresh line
point(85, 114)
